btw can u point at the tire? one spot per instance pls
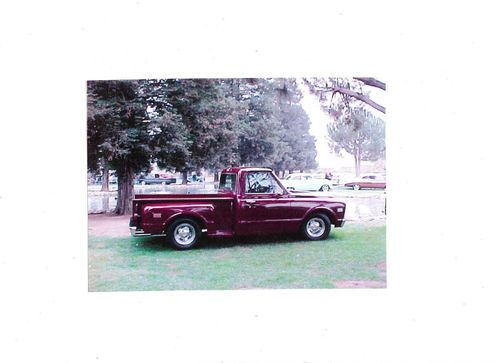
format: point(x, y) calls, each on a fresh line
point(324, 188)
point(356, 187)
point(316, 227)
point(183, 234)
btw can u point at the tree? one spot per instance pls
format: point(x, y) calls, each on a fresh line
point(209, 114)
point(188, 124)
point(260, 133)
point(363, 137)
point(131, 126)
point(169, 136)
point(274, 129)
point(347, 88)
point(300, 153)
point(117, 118)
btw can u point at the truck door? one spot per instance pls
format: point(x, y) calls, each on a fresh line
point(263, 205)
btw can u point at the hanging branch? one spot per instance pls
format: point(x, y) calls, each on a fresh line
point(370, 81)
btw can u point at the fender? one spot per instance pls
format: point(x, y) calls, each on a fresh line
point(158, 217)
point(322, 210)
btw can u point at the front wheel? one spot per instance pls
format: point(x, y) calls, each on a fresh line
point(316, 227)
point(183, 234)
point(356, 187)
point(324, 188)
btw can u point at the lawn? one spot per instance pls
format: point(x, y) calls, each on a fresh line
point(354, 254)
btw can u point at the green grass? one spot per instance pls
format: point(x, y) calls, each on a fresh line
point(354, 252)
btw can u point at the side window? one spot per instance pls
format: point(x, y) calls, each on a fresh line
point(227, 183)
point(261, 182)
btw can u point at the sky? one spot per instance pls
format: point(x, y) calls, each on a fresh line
point(319, 121)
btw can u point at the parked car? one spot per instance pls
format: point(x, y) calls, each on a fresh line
point(249, 201)
point(195, 179)
point(367, 181)
point(112, 179)
point(157, 178)
point(307, 182)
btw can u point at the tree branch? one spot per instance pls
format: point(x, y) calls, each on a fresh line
point(370, 81)
point(358, 96)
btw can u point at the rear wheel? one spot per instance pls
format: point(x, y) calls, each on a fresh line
point(183, 234)
point(324, 188)
point(316, 227)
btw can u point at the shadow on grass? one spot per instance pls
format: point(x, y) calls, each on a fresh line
point(213, 243)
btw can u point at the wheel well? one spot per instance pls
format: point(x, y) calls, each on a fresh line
point(198, 221)
point(328, 213)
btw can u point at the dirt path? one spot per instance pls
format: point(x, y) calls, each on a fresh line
point(108, 225)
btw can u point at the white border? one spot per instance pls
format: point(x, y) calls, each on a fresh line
point(441, 302)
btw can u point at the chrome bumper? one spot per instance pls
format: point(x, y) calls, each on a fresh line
point(138, 232)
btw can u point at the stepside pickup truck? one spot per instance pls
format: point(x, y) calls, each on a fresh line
point(250, 201)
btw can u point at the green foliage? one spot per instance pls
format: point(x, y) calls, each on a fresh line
point(189, 124)
point(300, 152)
point(209, 114)
point(274, 129)
point(359, 134)
point(117, 130)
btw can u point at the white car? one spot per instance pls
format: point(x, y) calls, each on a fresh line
point(303, 181)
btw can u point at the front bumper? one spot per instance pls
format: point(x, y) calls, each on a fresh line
point(340, 223)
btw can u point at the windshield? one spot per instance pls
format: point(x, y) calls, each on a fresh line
point(261, 182)
point(227, 183)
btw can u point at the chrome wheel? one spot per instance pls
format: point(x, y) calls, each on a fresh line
point(184, 234)
point(324, 188)
point(356, 187)
point(315, 227)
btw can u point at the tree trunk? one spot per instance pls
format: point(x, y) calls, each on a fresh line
point(125, 193)
point(357, 162)
point(105, 178)
point(105, 203)
point(184, 177)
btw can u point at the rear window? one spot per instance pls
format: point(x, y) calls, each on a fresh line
point(227, 183)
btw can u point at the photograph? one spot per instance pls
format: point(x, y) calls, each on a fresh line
point(236, 183)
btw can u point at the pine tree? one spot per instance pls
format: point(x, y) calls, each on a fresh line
point(362, 136)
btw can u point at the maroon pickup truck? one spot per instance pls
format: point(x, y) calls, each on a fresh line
point(250, 201)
